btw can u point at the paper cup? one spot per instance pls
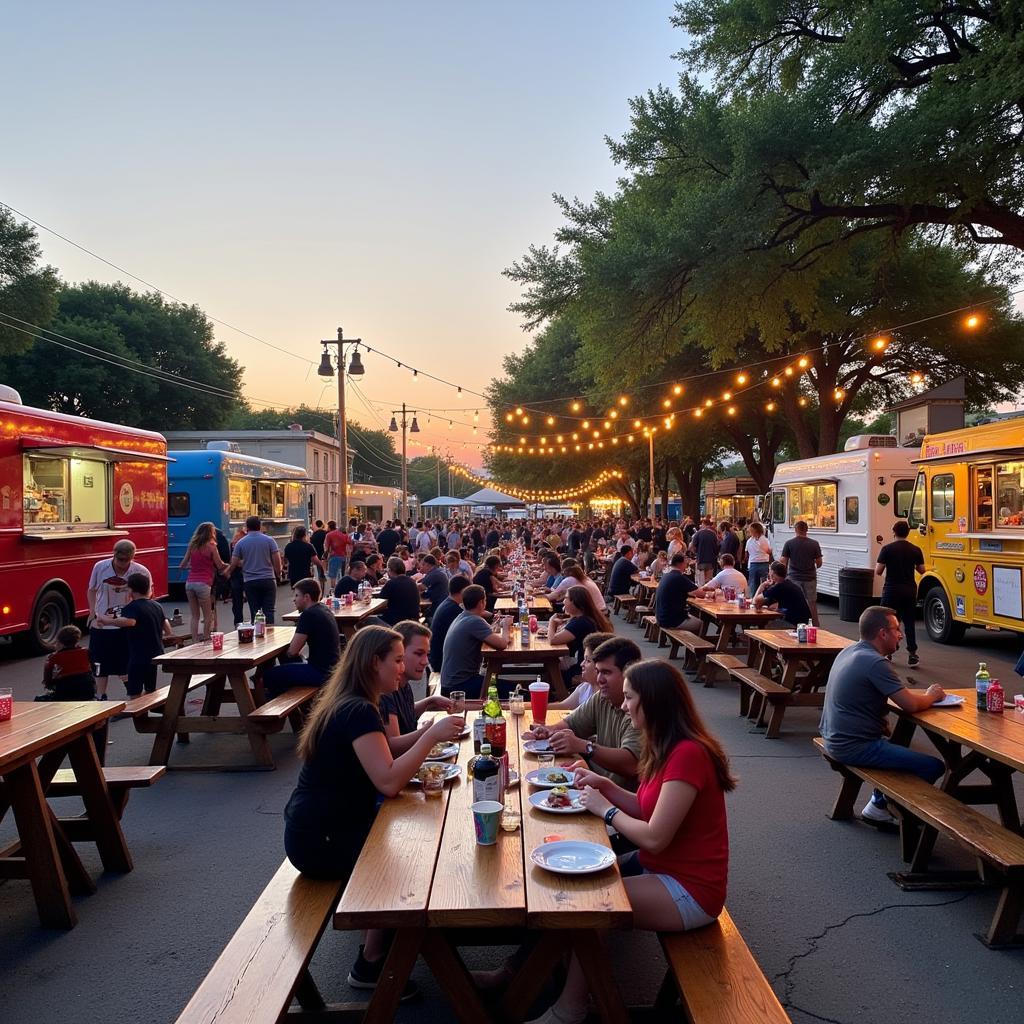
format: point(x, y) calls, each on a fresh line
point(486, 819)
point(217, 639)
point(539, 702)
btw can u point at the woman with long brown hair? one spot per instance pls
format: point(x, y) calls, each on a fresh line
point(676, 879)
point(581, 618)
point(203, 565)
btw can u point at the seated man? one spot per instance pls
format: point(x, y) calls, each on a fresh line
point(434, 583)
point(728, 576)
point(349, 584)
point(854, 721)
point(620, 579)
point(783, 594)
point(447, 612)
point(456, 565)
point(374, 568)
point(674, 587)
point(399, 710)
point(616, 745)
point(316, 629)
point(401, 593)
point(460, 660)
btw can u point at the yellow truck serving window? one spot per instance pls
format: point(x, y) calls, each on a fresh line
point(942, 498)
point(1010, 494)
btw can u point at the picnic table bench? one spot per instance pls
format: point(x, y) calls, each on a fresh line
point(727, 617)
point(696, 647)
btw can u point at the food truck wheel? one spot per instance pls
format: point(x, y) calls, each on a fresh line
point(938, 618)
point(51, 615)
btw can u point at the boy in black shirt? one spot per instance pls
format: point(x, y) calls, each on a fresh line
point(148, 624)
point(317, 629)
point(784, 594)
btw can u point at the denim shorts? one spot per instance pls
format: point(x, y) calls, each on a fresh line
point(335, 566)
point(690, 911)
point(201, 590)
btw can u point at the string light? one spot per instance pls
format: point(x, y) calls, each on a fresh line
point(916, 378)
point(623, 400)
point(741, 379)
point(551, 421)
point(575, 407)
point(838, 394)
point(803, 362)
point(776, 383)
point(880, 344)
point(972, 321)
point(770, 407)
point(519, 410)
point(678, 389)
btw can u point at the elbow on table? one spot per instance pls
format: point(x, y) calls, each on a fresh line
point(391, 789)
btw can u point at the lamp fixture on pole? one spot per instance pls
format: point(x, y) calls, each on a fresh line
point(326, 369)
point(415, 428)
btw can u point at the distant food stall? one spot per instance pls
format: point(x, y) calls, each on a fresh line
point(730, 498)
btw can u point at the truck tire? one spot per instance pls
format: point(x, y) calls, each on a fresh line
point(50, 616)
point(938, 618)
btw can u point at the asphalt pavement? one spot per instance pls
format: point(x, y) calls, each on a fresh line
point(838, 940)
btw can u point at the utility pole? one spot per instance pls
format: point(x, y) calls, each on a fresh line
point(327, 370)
point(415, 429)
point(650, 445)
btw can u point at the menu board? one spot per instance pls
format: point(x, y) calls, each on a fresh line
point(1006, 592)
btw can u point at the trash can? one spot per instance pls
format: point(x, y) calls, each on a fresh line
point(856, 592)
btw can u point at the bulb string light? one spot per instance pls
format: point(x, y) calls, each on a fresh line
point(587, 487)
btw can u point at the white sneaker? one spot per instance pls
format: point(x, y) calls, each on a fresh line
point(874, 813)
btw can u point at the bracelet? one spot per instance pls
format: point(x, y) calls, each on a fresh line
point(609, 814)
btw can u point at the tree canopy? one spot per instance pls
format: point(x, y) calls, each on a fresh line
point(28, 291)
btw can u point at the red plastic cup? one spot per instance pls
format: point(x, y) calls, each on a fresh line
point(534, 625)
point(6, 703)
point(217, 639)
point(539, 702)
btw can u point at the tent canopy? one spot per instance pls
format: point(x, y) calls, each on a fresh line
point(489, 496)
point(443, 501)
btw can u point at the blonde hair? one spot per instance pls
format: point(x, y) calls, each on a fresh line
point(203, 534)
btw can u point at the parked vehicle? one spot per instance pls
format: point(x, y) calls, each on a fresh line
point(223, 487)
point(69, 488)
point(968, 508)
point(849, 501)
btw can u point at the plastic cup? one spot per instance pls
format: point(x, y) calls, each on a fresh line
point(486, 820)
point(6, 703)
point(217, 639)
point(812, 634)
point(458, 699)
point(348, 599)
point(539, 701)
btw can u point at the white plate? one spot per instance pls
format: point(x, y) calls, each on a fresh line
point(540, 801)
point(451, 750)
point(537, 746)
point(451, 771)
point(951, 700)
point(539, 777)
point(573, 857)
point(513, 778)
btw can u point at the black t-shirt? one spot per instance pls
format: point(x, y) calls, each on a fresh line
point(317, 540)
point(145, 638)
point(346, 585)
point(791, 601)
point(435, 586)
point(670, 600)
point(731, 544)
point(334, 796)
point(485, 578)
point(403, 704)
point(900, 558)
point(492, 539)
point(581, 627)
point(321, 632)
point(620, 579)
point(447, 612)
point(645, 533)
point(299, 555)
point(388, 541)
point(660, 541)
point(403, 598)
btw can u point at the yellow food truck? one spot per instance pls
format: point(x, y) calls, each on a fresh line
point(968, 507)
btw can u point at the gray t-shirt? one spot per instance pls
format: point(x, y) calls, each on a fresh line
point(460, 660)
point(859, 686)
point(612, 728)
point(802, 553)
point(256, 550)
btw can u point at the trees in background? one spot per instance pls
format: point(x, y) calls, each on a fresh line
point(28, 291)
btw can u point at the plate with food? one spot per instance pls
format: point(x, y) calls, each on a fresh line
point(951, 700)
point(546, 778)
point(440, 751)
point(448, 771)
point(559, 800)
point(573, 857)
point(537, 746)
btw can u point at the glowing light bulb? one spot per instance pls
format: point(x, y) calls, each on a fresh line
point(776, 382)
point(916, 378)
point(607, 425)
point(575, 406)
point(731, 410)
point(788, 371)
point(726, 395)
point(803, 362)
point(741, 379)
point(526, 421)
point(623, 400)
point(801, 401)
point(519, 410)
point(677, 390)
point(770, 407)
point(838, 394)
point(708, 403)
point(509, 417)
point(614, 414)
point(972, 321)
point(551, 421)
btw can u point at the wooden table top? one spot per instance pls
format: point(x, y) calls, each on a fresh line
point(35, 727)
point(723, 611)
point(781, 641)
point(1000, 737)
point(537, 646)
point(233, 655)
point(538, 602)
point(355, 612)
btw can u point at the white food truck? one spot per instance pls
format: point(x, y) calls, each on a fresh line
point(849, 501)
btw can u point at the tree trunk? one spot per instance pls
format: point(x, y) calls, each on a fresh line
point(688, 479)
point(760, 463)
point(665, 492)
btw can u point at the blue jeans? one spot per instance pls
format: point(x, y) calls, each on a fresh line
point(883, 754)
point(280, 678)
point(756, 573)
point(261, 595)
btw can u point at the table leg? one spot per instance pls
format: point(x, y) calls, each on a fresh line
point(257, 739)
point(451, 974)
point(546, 949)
point(590, 950)
point(99, 807)
point(172, 710)
point(35, 830)
point(726, 631)
point(398, 965)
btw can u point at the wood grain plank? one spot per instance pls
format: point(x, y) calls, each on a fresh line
point(202, 657)
point(35, 728)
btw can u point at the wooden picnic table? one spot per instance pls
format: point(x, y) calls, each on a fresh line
point(422, 873)
point(537, 604)
point(233, 662)
point(33, 744)
point(968, 740)
point(647, 585)
point(777, 648)
point(537, 651)
point(348, 617)
point(726, 616)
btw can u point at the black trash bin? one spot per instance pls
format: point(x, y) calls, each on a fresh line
point(856, 592)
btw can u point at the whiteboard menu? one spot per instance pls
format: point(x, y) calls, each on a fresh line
point(1006, 592)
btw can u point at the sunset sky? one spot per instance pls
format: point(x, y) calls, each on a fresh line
point(295, 169)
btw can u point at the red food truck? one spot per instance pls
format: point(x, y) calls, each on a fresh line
point(69, 489)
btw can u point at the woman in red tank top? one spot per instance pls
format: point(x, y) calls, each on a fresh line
point(203, 565)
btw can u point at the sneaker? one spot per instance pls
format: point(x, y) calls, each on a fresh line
point(913, 659)
point(877, 814)
point(365, 975)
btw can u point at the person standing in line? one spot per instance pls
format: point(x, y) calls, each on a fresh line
point(316, 538)
point(106, 594)
point(759, 557)
point(899, 560)
point(257, 557)
point(705, 548)
point(301, 556)
point(730, 544)
point(801, 555)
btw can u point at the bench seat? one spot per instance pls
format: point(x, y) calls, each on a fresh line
point(137, 707)
point(620, 601)
point(651, 627)
point(286, 707)
point(719, 659)
point(716, 977)
point(120, 781)
point(924, 812)
point(697, 647)
point(771, 698)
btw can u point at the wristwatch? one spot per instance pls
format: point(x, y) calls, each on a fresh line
point(588, 750)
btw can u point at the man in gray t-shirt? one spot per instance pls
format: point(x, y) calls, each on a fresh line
point(257, 557)
point(460, 657)
point(801, 555)
point(853, 723)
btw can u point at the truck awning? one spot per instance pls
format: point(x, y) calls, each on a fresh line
point(979, 455)
point(98, 452)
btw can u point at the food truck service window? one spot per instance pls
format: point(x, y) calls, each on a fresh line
point(903, 492)
point(63, 492)
point(942, 498)
point(1010, 494)
point(815, 504)
point(239, 499)
point(778, 506)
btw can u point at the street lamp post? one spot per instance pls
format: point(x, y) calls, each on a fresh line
point(415, 429)
point(650, 452)
point(326, 369)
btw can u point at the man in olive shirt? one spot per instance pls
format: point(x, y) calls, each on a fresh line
point(615, 751)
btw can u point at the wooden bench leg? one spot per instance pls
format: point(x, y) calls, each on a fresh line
point(103, 816)
point(451, 974)
point(257, 739)
point(589, 948)
point(398, 965)
point(673, 650)
point(778, 709)
point(1003, 929)
point(924, 846)
point(545, 949)
point(745, 694)
point(843, 808)
point(307, 994)
point(667, 998)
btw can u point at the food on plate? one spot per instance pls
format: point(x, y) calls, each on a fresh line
point(557, 776)
point(559, 797)
point(438, 749)
point(430, 771)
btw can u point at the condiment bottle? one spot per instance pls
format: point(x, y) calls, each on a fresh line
point(995, 698)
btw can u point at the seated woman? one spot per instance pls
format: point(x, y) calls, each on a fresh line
point(676, 879)
point(581, 618)
point(588, 674)
point(576, 577)
point(659, 563)
point(346, 763)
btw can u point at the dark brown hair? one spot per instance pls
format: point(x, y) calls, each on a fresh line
point(584, 601)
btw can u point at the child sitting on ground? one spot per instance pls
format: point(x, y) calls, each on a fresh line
point(67, 674)
point(148, 624)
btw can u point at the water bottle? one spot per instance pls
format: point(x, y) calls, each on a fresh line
point(981, 682)
point(801, 633)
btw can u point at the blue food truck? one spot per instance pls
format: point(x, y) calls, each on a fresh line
point(223, 487)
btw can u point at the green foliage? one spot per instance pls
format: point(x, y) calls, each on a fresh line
point(28, 291)
point(144, 328)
